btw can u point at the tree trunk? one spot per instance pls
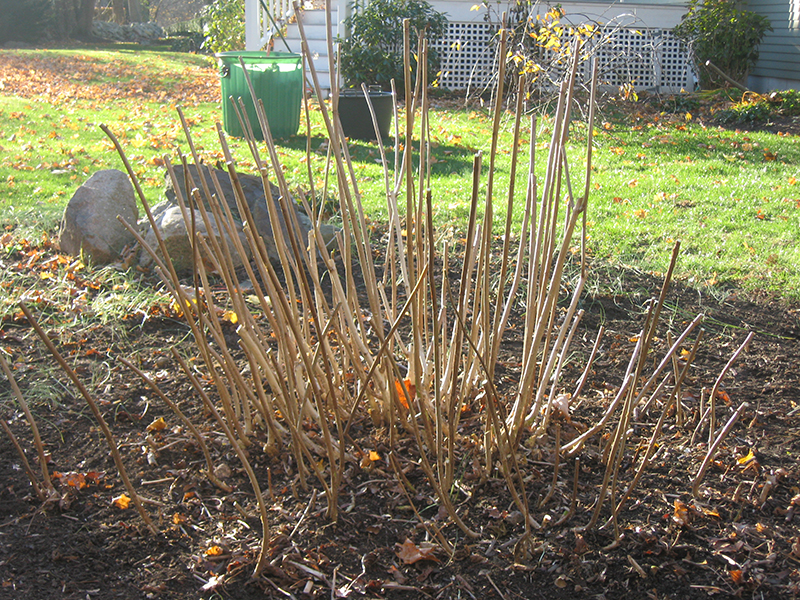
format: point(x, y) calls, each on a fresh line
point(73, 18)
point(84, 18)
point(135, 11)
point(118, 7)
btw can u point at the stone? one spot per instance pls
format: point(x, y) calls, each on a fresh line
point(175, 232)
point(139, 33)
point(253, 189)
point(90, 223)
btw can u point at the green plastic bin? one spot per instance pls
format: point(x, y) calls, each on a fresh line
point(277, 80)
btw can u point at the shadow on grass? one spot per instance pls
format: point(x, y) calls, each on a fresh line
point(447, 158)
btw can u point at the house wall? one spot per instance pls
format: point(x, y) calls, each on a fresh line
point(778, 65)
point(664, 14)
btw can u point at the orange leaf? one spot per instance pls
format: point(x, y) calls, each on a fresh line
point(158, 425)
point(743, 460)
point(681, 515)
point(410, 388)
point(72, 479)
point(371, 457)
point(121, 502)
point(737, 576)
point(214, 551)
point(410, 553)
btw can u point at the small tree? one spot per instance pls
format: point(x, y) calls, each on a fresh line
point(224, 26)
point(373, 51)
point(718, 31)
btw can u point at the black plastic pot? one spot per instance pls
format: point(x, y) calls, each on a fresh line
point(355, 116)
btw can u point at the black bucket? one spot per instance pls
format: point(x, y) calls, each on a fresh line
point(355, 116)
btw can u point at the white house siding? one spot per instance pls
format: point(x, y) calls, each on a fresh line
point(778, 66)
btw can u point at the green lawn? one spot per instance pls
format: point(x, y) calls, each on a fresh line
point(732, 199)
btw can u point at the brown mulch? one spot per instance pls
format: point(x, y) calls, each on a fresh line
point(739, 539)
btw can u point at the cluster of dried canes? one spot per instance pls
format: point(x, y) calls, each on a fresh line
point(413, 350)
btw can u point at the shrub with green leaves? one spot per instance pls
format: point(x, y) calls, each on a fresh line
point(718, 31)
point(373, 51)
point(224, 26)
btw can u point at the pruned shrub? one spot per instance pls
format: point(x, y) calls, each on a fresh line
point(728, 37)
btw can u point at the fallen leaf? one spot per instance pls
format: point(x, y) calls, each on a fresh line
point(121, 502)
point(681, 515)
point(746, 459)
point(410, 388)
point(397, 574)
point(71, 479)
point(214, 551)
point(737, 576)
point(158, 425)
point(410, 553)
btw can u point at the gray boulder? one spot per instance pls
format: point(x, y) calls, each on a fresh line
point(90, 221)
point(256, 201)
point(140, 33)
point(176, 232)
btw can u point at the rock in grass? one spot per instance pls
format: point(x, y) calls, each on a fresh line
point(174, 231)
point(255, 198)
point(90, 223)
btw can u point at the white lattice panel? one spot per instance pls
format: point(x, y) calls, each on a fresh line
point(647, 58)
point(627, 56)
point(468, 53)
point(677, 72)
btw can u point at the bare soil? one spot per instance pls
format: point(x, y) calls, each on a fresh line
point(739, 539)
